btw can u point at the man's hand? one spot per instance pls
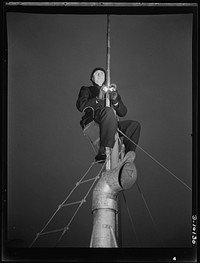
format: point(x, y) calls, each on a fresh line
point(113, 95)
point(101, 93)
point(113, 87)
point(100, 102)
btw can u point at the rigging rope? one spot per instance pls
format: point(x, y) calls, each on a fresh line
point(95, 151)
point(148, 210)
point(83, 200)
point(130, 217)
point(155, 160)
point(64, 205)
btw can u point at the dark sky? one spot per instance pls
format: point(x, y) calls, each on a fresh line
point(50, 56)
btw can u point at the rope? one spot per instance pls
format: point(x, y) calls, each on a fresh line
point(113, 236)
point(63, 204)
point(155, 160)
point(84, 200)
point(95, 151)
point(130, 217)
point(129, 214)
point(148, 211)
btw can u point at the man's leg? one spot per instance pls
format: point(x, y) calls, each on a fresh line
point(132, 131)
point(107, 121)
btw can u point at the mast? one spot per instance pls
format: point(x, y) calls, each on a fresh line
point(108, 61)
point(108, 151)
point(105, 204)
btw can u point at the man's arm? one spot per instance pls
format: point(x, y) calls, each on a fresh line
point(118, 105)
point(84, 99)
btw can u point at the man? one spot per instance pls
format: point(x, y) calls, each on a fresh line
point(91, 100)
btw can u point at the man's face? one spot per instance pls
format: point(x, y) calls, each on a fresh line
point(98, 77)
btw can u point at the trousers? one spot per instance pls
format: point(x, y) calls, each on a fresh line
point(109, 124)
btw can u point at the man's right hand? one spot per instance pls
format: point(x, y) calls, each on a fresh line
point(101, 93)
point(100, 103)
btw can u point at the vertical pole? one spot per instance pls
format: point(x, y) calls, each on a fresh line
point(112, 158)
point(108, 62)
point(108, 152)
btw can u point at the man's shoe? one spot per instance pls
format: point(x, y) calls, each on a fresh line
point(100, 157)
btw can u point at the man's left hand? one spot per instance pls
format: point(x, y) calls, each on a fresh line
point(113, 95)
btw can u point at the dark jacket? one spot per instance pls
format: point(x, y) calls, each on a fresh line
point(88, 98)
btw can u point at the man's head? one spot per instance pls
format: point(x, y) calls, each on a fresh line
point(98, 76)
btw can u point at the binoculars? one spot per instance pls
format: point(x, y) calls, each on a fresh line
point(111, 88)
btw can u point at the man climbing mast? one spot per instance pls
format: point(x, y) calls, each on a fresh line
point(101, 102)
point(91, 97)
